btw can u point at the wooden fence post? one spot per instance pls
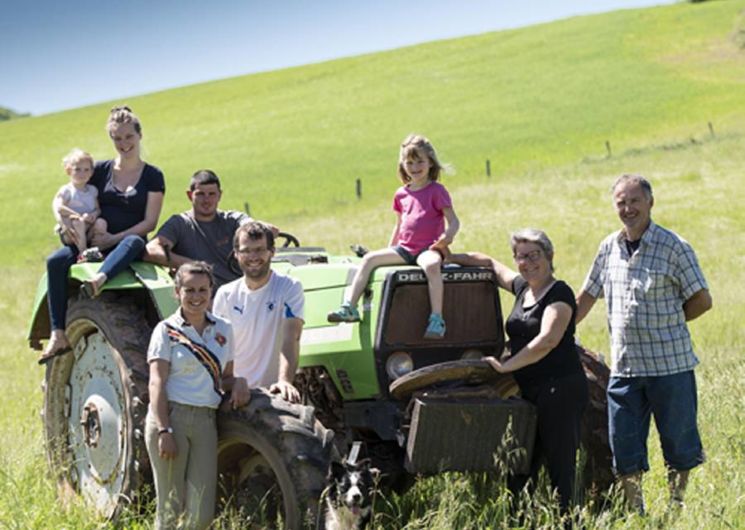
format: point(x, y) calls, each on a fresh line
point(607, 148)
point(488, 168)
point(358, 188)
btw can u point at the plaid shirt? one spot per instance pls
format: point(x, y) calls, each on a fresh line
point(644, 295)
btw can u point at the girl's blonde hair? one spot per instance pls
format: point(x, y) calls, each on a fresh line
point(123, 114)
point(76, 155)
point(417, 146)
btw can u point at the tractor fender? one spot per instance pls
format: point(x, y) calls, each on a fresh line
point(154, 278)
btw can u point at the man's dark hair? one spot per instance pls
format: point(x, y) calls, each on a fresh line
point(254, 230)
point(204, 176)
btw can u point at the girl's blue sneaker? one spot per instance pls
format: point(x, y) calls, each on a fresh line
point(346, 313)
point(435, 328)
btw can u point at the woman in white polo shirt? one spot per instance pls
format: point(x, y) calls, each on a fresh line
point(191, 365)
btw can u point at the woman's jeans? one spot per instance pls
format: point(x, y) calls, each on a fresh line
point(58, 266)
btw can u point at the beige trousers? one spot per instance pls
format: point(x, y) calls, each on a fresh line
point(185, 486)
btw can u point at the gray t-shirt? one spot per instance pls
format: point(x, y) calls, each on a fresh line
point(210, 241)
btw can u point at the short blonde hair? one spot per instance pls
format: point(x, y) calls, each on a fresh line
point(76, 155)
point(123, 114)
point(417, 146)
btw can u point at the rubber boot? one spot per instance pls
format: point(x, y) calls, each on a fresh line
point(677, 481)
point(632, 491)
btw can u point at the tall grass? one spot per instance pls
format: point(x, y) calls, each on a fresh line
point(698, 195)
point(540, 103)
point(573, 205)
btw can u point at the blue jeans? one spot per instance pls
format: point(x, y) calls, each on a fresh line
point(58, 266)
point(673, 402)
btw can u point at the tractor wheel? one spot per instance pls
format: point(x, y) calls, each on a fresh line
point(597, 474)
point(468, 372)
point(273, 457)
point(95, 401)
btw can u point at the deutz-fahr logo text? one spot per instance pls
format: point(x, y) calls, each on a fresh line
point(448, 276)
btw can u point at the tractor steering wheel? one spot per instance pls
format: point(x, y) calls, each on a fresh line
point(289, 240)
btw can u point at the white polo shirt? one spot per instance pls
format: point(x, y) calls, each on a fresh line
point(258, 319)
point(188, 381)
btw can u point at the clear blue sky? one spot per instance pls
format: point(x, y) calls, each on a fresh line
point(61, 54)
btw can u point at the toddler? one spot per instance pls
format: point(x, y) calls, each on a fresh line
point(76, 207)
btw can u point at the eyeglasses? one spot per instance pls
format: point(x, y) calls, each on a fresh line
point(532, 256)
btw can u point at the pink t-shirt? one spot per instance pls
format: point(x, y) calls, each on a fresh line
point(422, 220)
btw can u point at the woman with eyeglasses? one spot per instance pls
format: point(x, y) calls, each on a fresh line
point(543, 357)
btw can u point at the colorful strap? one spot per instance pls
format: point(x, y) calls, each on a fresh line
point(205, 357)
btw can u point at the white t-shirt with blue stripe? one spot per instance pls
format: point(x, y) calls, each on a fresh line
point(258, 319)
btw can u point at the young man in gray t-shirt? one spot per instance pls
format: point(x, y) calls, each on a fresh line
point(202, 233)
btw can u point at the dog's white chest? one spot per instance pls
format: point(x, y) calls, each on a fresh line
point(342, 518)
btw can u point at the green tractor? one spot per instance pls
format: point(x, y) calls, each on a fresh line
point(419, 407)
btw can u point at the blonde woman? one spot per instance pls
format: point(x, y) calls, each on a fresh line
point(130, 194)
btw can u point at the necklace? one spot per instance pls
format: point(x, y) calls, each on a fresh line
point(538, 295)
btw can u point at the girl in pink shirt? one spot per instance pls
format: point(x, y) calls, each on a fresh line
point(420, 237)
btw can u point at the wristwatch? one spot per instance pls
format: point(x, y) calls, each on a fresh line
point(164, 430)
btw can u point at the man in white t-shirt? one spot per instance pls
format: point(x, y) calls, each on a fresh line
point(266, 311)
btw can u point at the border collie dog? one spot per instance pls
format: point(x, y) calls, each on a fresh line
point(350, 493)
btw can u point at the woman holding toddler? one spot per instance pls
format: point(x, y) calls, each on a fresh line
point(130, 195)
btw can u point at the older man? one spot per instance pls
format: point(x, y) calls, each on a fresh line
point(203, 233)
point(652, 284)
point(266, 311)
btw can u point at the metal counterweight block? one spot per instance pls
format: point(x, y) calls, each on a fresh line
point(468, 434)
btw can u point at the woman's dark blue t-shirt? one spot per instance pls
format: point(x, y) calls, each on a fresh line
point(122, 209)
point(524, 324)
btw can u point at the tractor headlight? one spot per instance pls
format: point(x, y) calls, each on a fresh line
point(398, 364)
point(472, 353)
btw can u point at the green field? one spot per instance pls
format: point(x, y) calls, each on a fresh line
point(538, 102)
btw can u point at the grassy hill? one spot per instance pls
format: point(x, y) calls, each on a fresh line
point(292, 142)
point(8, 114)
point(538, 102)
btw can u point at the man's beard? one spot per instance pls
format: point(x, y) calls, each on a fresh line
point(257, 273)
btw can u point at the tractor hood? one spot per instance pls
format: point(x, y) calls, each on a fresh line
point(319, 276)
